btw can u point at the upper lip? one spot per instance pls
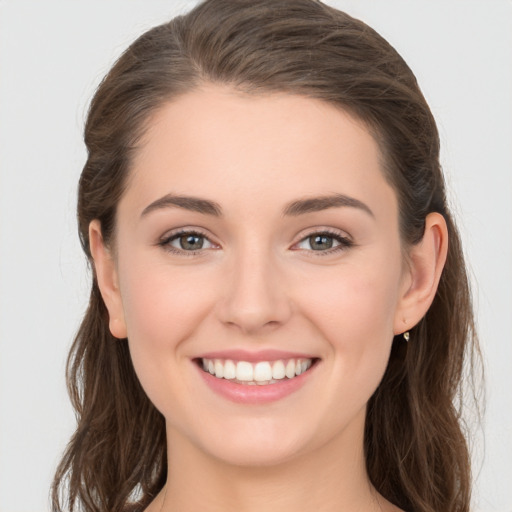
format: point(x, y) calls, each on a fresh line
point(255, 356)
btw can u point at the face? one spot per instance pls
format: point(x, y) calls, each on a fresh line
point(258, 238)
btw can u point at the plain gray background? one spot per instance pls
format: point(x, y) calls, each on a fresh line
point(52, 56)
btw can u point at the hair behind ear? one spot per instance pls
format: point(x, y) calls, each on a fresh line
point(417, 455)
point(115, 419)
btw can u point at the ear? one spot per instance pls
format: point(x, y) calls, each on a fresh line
point(106, 275)
point(422, 275)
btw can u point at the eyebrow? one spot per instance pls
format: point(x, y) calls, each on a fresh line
point(292, 209)
point(316, 204)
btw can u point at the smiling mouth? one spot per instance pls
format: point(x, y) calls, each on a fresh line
point(256, 374)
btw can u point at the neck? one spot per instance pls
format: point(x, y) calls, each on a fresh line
point(330, 478)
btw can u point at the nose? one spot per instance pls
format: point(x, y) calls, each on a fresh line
point(254, 298)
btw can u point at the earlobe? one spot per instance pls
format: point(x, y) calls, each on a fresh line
point(426, 262)
point(107, 278)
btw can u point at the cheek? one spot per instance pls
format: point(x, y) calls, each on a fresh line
point(162, 305)
point(355, 318)
point(356, 301)
point(163, 308)
point(354, 310)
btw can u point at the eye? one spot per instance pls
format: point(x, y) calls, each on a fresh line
point(325, 242)
point(186, 242)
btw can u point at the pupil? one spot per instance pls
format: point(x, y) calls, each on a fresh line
point(191, 242)
point(321, 242)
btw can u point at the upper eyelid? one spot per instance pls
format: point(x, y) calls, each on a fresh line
point(184, 231)
point(334, 232)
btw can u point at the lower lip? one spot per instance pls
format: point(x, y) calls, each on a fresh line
point(255, 394)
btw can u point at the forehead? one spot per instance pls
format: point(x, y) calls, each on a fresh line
point(242, 148)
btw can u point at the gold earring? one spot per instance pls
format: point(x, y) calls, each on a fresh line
point(406, 335)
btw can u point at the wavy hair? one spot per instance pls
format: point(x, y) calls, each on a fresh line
point(415, 449)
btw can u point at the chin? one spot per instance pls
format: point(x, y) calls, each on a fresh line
point(248, 455)
point(253, 443)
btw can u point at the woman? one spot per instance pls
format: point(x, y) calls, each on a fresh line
point(279, 310)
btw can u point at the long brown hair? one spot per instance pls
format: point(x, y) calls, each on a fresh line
point(416, 452)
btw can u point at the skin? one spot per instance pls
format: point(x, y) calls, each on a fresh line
point(256, 284)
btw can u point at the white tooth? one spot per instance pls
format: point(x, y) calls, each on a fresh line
point(303, 366)
point(211, 367)
point(298, 367)
point(290, 369)
point(278, 370)
point(229, 369)
point(219, 369)
point(205, 365)
point(244, 371)
point(262, 371)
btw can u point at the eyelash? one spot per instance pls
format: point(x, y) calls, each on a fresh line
point(344, 242)
point(165, 242)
